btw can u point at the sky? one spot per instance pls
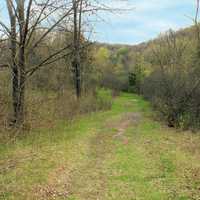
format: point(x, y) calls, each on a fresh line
point(145, 21)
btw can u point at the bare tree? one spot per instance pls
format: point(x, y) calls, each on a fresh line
point(76, 62)
point(91, 8)
point(26, 18)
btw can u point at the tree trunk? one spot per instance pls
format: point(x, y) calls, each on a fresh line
point(76, 60)
point(14, 66)
point(15, 77)
point(76, 66)
point(21, 97)
point(21, 62)
point(15, 92)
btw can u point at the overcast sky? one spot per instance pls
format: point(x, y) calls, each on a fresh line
point(146, 21)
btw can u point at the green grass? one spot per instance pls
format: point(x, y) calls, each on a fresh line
point(86, 161)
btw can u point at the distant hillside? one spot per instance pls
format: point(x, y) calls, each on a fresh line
point(187, 33)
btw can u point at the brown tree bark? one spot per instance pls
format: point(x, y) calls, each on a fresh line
point(14, 67)
point(76, 64)
point(21, 61)
point(18, 57)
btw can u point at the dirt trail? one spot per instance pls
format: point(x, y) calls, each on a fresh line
point(126, 120)
point(91, 177)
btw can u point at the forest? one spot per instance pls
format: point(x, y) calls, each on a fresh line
point(82, 119)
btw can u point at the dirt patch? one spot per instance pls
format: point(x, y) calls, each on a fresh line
point(125, 121)
point(51, 192)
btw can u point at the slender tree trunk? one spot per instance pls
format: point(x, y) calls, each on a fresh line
point(76, 60)
point(15, 75)
point(21, 98)
point(14, 66)
point(21, 62)
point(77, 78)
point(15, 93)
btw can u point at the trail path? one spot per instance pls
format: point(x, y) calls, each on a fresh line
point(122, 154)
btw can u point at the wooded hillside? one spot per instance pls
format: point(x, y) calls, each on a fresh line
point(164, 70)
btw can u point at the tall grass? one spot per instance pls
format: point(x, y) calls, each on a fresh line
point(45, 109)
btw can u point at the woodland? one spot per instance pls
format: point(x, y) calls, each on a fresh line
point(84, 120)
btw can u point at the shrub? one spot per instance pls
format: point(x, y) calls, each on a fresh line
point(173, 94)
point(104, 99)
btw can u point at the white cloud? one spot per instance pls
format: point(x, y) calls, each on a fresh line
point(148, 19)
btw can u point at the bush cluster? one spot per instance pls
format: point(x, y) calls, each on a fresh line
point(173, 86)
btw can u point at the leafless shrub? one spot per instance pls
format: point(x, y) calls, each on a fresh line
point(173, 87)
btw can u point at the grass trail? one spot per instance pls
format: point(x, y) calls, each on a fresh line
point(121, 154)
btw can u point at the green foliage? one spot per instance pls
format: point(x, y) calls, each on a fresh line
point(103, 54)
point(104, 98)
point(115, 67)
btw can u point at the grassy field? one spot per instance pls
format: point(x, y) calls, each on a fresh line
point(121, 154)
